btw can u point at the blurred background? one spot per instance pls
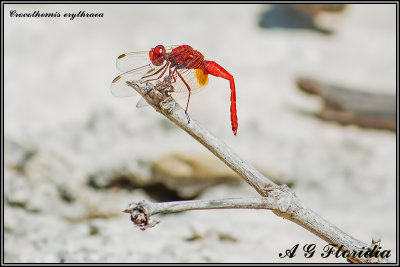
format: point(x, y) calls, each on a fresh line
point(76, 156)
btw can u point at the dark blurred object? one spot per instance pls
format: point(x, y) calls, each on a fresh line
point(348, 106)
point(297, 16)
point(191, 174)
point(176, 176)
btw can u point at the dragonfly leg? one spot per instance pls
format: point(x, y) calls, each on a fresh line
point(162, 70)
point(148, 87)
point(187, 117)
point(188, 87)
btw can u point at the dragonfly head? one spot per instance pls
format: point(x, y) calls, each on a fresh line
point(158, 55)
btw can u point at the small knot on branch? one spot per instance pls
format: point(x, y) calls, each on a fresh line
point(281, 196)
point(140, 215)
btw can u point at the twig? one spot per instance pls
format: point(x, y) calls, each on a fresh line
point(142, 211)
point(282, 201)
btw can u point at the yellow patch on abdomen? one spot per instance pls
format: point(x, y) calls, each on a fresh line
point(202, 78)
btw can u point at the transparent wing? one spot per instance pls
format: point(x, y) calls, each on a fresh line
point(119, 87)
point(131, 60)
point(128, 64)
point(190, 77)
point(180, 89)
point(142, 103)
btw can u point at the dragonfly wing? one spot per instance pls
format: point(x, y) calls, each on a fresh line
point(180, 89)
point(119, 87)
point(130, 60)
point(191, 78)
point(142, 103)
point(183, 95)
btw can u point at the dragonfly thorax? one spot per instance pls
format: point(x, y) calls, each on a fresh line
point(185, 56)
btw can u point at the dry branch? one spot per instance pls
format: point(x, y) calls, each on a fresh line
point(282, 201)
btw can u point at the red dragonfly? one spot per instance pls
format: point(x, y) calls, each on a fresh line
point(180, 66)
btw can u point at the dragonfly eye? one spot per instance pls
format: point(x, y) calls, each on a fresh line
point(158, 55)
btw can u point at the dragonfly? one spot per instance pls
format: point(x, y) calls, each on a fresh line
point(182, 67)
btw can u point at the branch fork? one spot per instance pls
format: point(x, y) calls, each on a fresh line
point(278, 199)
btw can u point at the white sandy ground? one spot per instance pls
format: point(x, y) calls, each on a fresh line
point(57, 103)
